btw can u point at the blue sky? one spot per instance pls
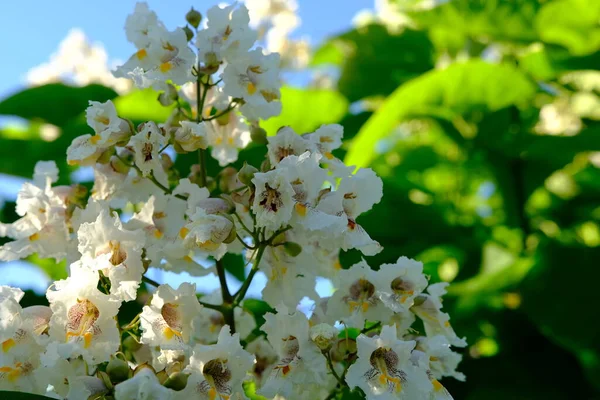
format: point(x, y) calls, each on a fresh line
point(32, 29)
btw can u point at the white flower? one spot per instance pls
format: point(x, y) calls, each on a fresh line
point(289, 278)
point(326, 139)
point(286, 143)
point(42, 228)
point(143, 386)
point(103, 119)
point(441, 359)
point(105, 245)
point(82, 321)
point(85, 150)
point(10, 313)
point(209, 322)
point(428, 307)
point(191, 136)
point(226, 135)
point(167, 321)
point(217, 371)
point(255, 78)
point(138, 24)
point(208, 232)
point(265, 356)
point(324, 335)
point(273, 201)
point(226, 36)
point(147, 144)
point(356, 300)
point(300, 360)
point(59, 376)
point(384, 369)
point(171, 57)
point(400, 283)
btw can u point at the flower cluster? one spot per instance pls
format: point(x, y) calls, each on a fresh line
point(289, 217)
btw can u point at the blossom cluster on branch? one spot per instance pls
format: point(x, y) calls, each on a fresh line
point(382, 332)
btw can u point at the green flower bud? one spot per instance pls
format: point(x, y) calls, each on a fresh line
point(292, 248)
point(258, 135)
point(189, 34)
point(103, 376)
point(246, 174)
point(193, 18)
point(176, 381)
point(118, 370)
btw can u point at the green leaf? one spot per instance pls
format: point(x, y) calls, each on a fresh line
point(54, 270)
point(307, 109)
point(471, 87)
point(54, 103)
point(566, 316)
point(250, 391)
point(258, 308)
point(572, 24)
point(142, 105)
point(21, 396)
point(374, 61)
point(234, 264)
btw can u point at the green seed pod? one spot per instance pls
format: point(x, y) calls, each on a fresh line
point(193, 18)
point(118, 370)
point(292, 248)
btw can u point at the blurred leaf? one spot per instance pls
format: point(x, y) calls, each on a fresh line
point(258, 308)
point(234, 264)
point(572, 24)
point(54, 270)
point(142, 105)
point(565, 315)
point(374, 62)
point(54, 103)
point(451, 93)
point(250, 391)
point(452, 23)
point(307, 109)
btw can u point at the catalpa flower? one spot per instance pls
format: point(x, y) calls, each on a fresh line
point(226, 36)
point(226, 136)
point(384, 369)
point(209, 322)
point(400, 283)
point(300, 360)
point(217, 371)
point(167, 321)
point(106, 246)
point(138, 24)
point(208, 232)
point(286, 143)
point(356, 301)
point(147, 144)
point(143, 385)
point(273, 200)
point(428, 307)
point(255, 78)
point(108, 127)
point(82, 321)
point(191, 136)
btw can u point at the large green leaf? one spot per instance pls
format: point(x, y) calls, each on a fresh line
point(451, 24)
point(142, 105)
point(307, 109)
point(572, 24)
point(54, 103)
point(234, 264)
point(473, 87)
point(374, 61)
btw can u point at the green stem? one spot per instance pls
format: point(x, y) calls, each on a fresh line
point(230, 107)
point(239, 296)
point(150, 281)
point(333, 372)
point(227, 298)
point(200, 99)
point(371, 328)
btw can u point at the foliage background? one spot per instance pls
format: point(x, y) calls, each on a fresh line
point(482, 118)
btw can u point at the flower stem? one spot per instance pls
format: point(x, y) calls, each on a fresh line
point(150, 281)
point(333, 372)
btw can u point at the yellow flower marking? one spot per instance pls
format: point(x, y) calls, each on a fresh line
point(165, 67)
point(141, 54)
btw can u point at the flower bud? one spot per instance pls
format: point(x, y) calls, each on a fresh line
point(343, 348)
point(176, 381)
point(324, 336)
point(141, 367)
point(169, 96)
point(246, 174)
point(119, 166)
point(106, 155)
point(189, 34)
point(420, 299)
point(292, 248)
point(118, 370)
point(103, 376)
point(193, 18)
point(258, 135)
point(265, 166)
point(227, 179)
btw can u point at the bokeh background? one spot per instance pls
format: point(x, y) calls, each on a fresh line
point(481, 116)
